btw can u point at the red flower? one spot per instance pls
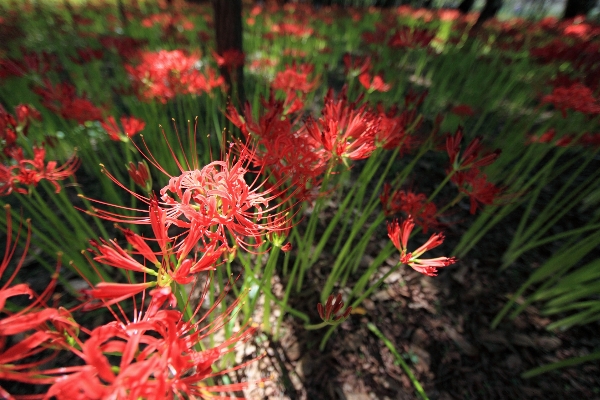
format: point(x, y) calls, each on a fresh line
point(131, 126)
point(230, 59)
point(62, 99)
point(334, 304)
point(292, 29)
point(411, 204)
point(470, 157)
point(576, 97)
point(154, 355)
point(296, 84)
point(400, 233)
point(395, 128)
point(289, 155)
point(590, 140)
point(378, 37)
point(477, 187)
point(31, 172)
point(344, 130)
point(462, 110)
point(16, 362)
point(218, 196)
point(140, 175)
point(163, 75)
point(545, 137)
point(374, 84)
point(295, 78)
point(111, 128)
point(26, 113)
point(411, 38)
point(354, 65)
point(212, 200)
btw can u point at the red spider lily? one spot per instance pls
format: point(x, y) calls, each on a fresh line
point(81, 110)
point(168, 22)
point(111, 128)
point(262, 64)
point(334, 304)
point(578, 30)
point(295, 78)
point(230, 59)
point(411, 38)
point(545, 137)
point(395, 129)
point(170, 264)
point(292, 29)
point(462, 110)
point(215, 196)
point(356, 66)
point(140, 175)
point(32, 63)
point(470, 157)
point(378, 37)
point(31, 172)
point(25, 114)
point(448, 14)
point(16, 362)
point(400, 233)
point(292, 80)
point(415, 205)
point(289, 155)
point(61, 99)
point(131, 126)
point(8, 132)
point(576, 97)
point(345, 131)
point(164, 74)
point(373, 84)
point(477, 187)
point(218, 195)
point(156, 355)
point(590, 140)
point(564, 141)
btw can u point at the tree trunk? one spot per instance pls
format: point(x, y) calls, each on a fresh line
point(228, 32)
point(490, 9)
point(577, 7)
point(385, 3)
point(465, 6)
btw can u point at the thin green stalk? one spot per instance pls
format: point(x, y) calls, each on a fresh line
point(560, 364)
point(399, 360)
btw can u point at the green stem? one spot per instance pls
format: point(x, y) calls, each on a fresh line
point(399, 359)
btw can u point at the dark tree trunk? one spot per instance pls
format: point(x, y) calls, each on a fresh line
point(490, 9)
point(577, 7)
point(465, 6)
point(228, 33)
point(385, 3)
